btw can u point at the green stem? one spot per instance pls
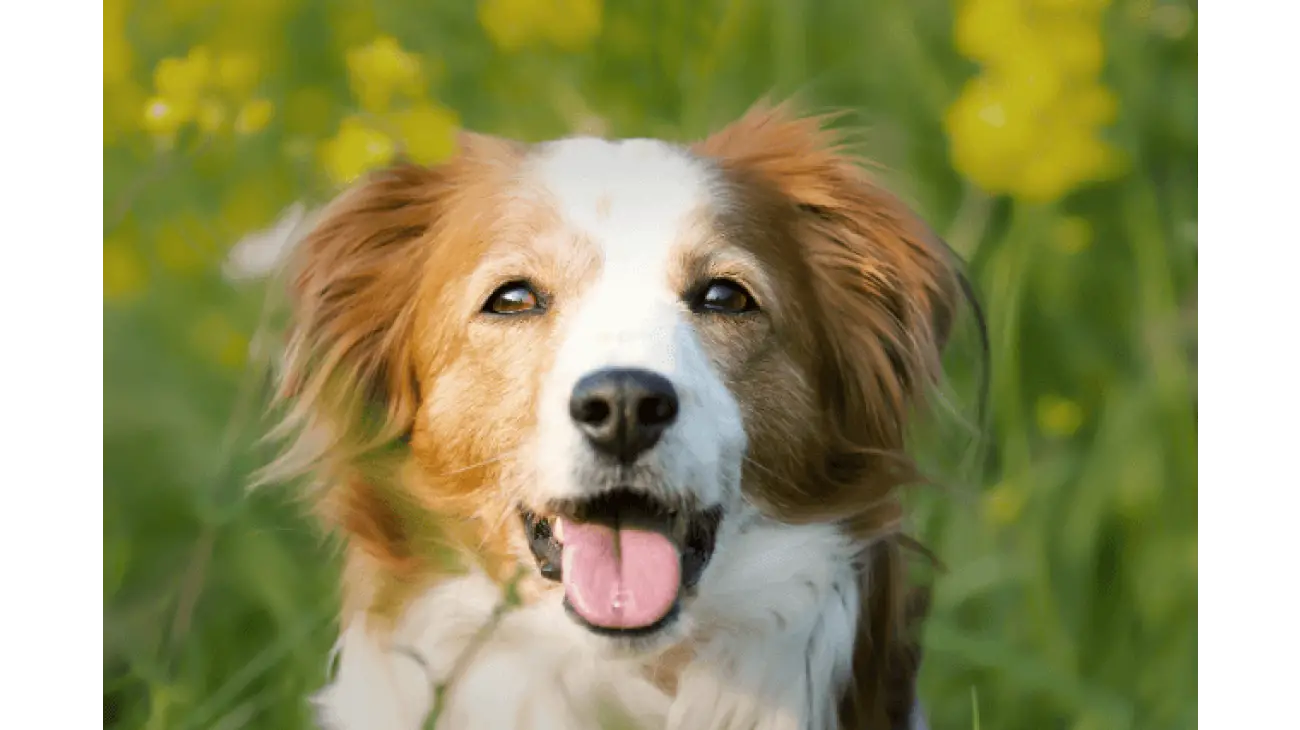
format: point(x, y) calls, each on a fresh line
point(1159, 318)
point(509, 600)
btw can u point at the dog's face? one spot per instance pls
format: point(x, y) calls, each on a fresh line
point(601, 356)
point(602, 350)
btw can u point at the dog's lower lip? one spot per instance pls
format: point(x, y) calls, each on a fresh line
point(654, 628)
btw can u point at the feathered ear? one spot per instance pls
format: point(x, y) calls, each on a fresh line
point(355, 282)
point(888, 288)
point(886, 291)
point(887, 648)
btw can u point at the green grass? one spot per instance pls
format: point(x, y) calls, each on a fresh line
point(1069, 598)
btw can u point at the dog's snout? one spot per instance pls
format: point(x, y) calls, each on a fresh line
point(623, 411)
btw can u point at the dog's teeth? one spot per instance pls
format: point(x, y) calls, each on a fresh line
point(557, 529)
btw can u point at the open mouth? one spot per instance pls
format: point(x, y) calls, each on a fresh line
point(625, 558)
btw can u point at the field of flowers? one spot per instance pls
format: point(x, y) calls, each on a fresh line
point(1053, 142)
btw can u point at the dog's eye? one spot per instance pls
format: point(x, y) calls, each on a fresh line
point(517, 297)
point(725, 297)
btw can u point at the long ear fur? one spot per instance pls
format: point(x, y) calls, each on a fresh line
point(890, 286)
point(349, 386)
point(348, 378)
point(348, 374)
point(887, 291)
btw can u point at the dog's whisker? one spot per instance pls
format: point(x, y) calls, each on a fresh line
point(497, 522)
point(480, 465)
point(757, 465)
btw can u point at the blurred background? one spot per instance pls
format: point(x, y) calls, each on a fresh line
point(1053, 143)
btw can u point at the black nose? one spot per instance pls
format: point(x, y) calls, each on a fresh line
point(623, 411)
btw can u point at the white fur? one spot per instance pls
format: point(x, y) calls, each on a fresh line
point(258, 254)
point(775, 613)
point(525, 668)
point(635, 200)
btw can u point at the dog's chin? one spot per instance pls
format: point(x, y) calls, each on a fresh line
point(633, 563)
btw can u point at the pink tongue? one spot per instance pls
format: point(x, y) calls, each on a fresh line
point(623, 580)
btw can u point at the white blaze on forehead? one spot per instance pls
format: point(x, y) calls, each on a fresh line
point(638, 202)
point(627, 194)
point(634, 200)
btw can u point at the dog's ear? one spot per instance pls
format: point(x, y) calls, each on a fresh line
point(348, 379)
point(881, 692)
point(886, 287)
point(891, 285)
point(886, 292)
point(353, 286)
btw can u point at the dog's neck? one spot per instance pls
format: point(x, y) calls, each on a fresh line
point(770, 644)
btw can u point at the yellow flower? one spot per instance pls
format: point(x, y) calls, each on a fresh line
point(211, 116)
point(1059, 416)
point(1033, 76)
point(163, 118)
point(428, 132)
point(204, 89)
point(237, 74)
point(1003, 504)
point(1028, 125)
point(1074, 156)
point(253, 116)
point(355, 150)
point(569, 25)
point(574, 24)
point(125, 276)
point(179, 85)
point(1076, 46)
point(989, 30)
point(181, 81)
point(510, 24)
point(117, 50)
point(381, 70)
point(1093, 105)
point(1022, 135)
point(992, 133)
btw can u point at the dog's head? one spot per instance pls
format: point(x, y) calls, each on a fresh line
point(595, 352)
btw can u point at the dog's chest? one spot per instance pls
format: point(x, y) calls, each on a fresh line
point(458, 656)
point(552, 691)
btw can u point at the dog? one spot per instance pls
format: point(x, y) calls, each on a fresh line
point(613, 431)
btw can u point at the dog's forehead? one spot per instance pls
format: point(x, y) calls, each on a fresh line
point(633, 198)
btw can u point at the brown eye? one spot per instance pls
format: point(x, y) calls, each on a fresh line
point(725, 297)
point(517, 297)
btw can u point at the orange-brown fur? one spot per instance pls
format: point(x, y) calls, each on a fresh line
point(884, 292)
point(406, 418)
